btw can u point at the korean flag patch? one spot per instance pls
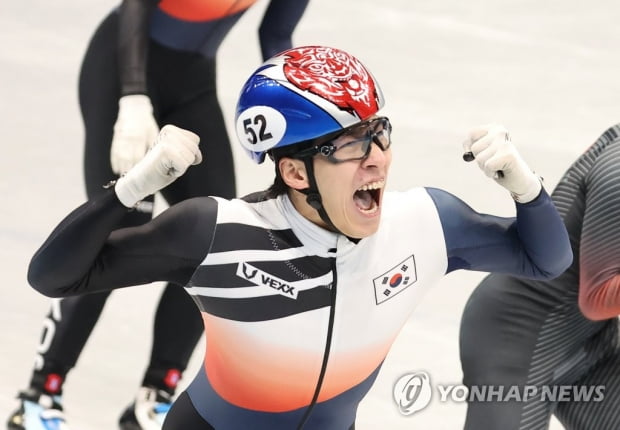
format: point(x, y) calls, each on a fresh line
point(395, 280)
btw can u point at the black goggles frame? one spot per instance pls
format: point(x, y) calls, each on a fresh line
point(325, 146)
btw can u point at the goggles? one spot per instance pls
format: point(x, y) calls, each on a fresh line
point(354, 143)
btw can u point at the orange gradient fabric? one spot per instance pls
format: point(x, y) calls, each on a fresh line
point(266, 376)
point(203, 10)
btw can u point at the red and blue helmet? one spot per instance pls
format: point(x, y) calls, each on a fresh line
point(302, 94)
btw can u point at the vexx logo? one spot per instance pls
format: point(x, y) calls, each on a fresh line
point(261, 278)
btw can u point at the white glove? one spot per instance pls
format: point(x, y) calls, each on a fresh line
point(498, 158)
point(174, 151)
point(135, 131)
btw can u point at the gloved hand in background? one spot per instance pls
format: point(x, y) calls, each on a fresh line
point(135, 132)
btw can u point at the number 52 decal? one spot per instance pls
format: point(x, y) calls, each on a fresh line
point(260, 122)
point(260, 128)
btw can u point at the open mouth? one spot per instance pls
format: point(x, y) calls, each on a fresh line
point(368, 196)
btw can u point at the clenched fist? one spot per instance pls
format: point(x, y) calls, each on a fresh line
point(491, 147)
point(174, 151)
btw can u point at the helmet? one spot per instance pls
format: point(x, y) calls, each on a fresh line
point(301, 94)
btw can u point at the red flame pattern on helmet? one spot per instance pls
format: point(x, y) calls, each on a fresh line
point(335, 76)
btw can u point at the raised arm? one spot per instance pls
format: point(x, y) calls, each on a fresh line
point(85, 253)
point(534, 244)
point(278, 24)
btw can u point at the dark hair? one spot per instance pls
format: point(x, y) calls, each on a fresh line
point(278, 187)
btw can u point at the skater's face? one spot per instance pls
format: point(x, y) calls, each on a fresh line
point(351, 175)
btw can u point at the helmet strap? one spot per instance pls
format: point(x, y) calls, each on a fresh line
point(313, 197)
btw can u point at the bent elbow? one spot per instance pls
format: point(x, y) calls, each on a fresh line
point(40, 282)
point(552, 269)
point(562, 264)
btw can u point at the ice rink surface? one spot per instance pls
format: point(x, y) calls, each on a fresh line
point(546, 70)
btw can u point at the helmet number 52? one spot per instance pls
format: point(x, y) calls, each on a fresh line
point(251, 126)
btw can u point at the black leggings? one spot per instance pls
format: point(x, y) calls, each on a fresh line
point(183, 92)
